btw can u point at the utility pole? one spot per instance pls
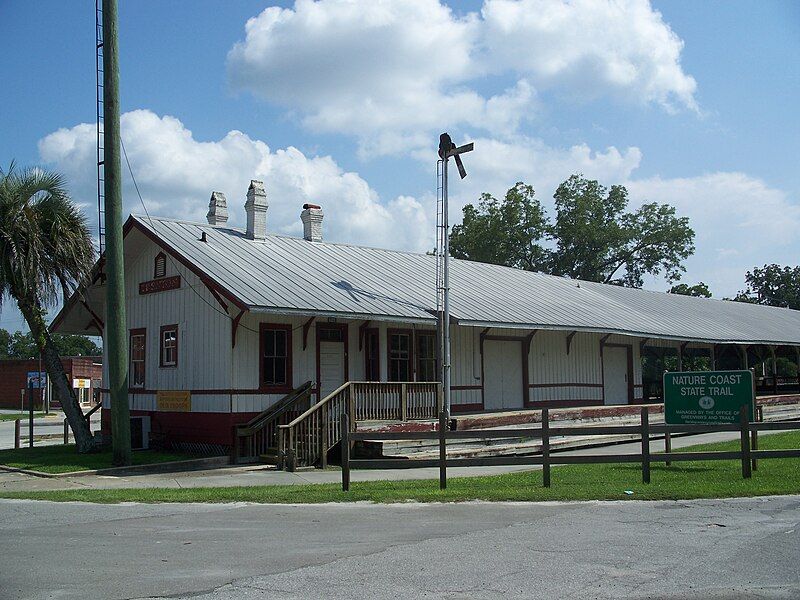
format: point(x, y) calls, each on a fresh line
point(117, 354)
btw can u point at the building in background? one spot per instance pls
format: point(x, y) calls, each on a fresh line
point(84, 373)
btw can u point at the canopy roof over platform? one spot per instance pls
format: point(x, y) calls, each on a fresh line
point(290, 275)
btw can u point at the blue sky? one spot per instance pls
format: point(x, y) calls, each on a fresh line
point(691, 103)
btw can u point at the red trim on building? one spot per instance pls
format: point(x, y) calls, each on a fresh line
point(275, 389)
point(161, 349)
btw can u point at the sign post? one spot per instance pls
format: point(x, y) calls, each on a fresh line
point(708, 397)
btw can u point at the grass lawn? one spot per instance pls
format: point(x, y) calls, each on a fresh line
point(21, 416)
point(64, 459)
point(706, 479)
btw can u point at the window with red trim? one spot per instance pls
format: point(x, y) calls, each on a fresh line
point(275, 360)
point(169, 346)
point(399, 355)
point(138, 355)
point(426, 356)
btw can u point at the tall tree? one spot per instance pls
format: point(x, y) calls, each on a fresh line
point(504, 233)
point(45, 248)
point(772, 285)
point(597, 240)
point(593, 237)
point(699, 290)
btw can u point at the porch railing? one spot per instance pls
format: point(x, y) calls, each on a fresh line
point(259, 436)
point(306, 440)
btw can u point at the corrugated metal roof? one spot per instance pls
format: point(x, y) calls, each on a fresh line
point(288, 274)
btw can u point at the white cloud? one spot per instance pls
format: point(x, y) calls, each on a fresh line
point(176, 174)
point(740, 222)
point(391, 71)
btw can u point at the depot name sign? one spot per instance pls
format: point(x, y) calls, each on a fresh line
point(707, 397)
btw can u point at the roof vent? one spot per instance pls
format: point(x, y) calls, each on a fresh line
point(217, 209)
point(256, 209)
point(312, 222)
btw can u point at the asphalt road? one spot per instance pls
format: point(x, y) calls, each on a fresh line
point(691, 549)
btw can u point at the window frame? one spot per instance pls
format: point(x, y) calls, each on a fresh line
point(141, 331)
point(162, 363)
point(275, 388)
point(419, 334)
point(410, 359)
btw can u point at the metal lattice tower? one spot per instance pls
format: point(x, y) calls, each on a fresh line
point(101, 217)
point(441, 239)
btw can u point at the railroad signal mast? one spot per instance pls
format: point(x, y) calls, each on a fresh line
point(447, 150)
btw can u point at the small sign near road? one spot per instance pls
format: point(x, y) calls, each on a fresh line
point(37, 379)
point(707, 397)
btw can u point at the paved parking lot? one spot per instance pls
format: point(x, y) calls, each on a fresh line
point(741, 548)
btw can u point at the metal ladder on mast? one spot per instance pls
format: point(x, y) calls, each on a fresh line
point(101, 216)
point(441, 233)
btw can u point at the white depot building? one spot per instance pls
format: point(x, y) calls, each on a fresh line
point(224, 323)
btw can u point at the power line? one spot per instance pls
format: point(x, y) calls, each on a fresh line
point(172, 260)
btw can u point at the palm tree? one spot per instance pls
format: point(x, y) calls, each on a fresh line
point(45, 247)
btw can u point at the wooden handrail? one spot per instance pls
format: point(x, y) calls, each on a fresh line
point(289, 399)
point(317, 406)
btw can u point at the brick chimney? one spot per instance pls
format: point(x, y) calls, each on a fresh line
point(217, 209)
point(256, 209)
point(312, 222)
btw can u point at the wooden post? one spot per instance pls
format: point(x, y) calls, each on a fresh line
point(774, 370)
point(645, 445)
point(66, 432)
point(443, 450)
point(745, 437)
point(324, 439)
point(668, 446)
point(281, 451)
point(17, 428)
point(403, 402)
point(345, 447)
point(546, 447)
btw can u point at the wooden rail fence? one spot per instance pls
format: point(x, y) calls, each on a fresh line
point(748, 453)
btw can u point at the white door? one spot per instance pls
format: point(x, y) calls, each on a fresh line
point(502, 375)
point(331, 367)
point(615, 374)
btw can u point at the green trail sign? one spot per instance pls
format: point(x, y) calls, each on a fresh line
point(707, 397)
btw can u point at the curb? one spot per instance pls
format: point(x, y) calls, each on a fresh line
point(194, 464)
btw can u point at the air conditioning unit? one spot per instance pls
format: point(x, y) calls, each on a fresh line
point(140, 433)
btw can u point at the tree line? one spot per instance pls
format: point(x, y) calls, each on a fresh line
point(22, 345)
point(594, 237)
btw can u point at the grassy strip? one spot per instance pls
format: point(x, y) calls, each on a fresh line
point(20, 416)
point(64, 459)
point(706, 479)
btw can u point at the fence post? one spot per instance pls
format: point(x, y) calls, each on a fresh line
point(668, 445)
point(66, 432)
point(403, 402)
point(30, 413)
point(645, 445)
point(443, 450)
point(546, 447)
point(345, 451)
point(17, 428)
point(745, 435)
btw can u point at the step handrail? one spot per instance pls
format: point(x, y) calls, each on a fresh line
point(279, 407)
point(317, 406)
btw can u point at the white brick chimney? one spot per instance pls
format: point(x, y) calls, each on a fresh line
point(256, 209)
point(312, 222)
point(217, 209)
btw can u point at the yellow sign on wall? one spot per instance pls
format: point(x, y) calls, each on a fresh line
point(174, 400)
